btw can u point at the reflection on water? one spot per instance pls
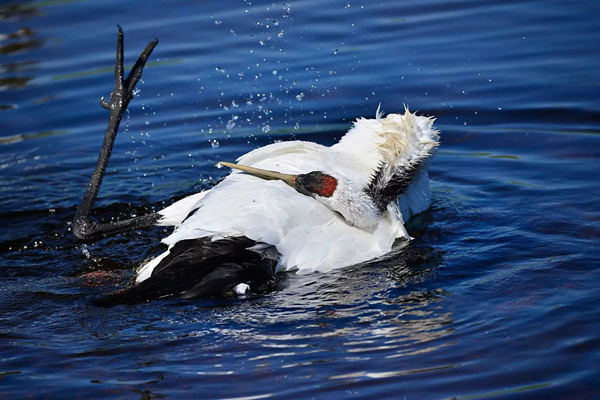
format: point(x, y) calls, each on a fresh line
point(15, 67)
point(19, 138)
point(14, 43)
point(16, 11)
point(13, 82)
point(22, 40)
point(19, 41)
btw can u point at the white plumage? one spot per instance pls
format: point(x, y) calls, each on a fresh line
point(309, 234)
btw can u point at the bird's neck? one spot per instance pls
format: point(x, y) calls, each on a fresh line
point(354, 204)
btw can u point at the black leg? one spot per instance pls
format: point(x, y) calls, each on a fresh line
point(84, 228)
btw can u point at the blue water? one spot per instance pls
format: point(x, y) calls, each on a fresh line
point(497, 295)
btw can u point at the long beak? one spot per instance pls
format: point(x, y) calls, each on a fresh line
point(262, 173)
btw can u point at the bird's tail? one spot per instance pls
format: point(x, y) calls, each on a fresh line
point(201, 268)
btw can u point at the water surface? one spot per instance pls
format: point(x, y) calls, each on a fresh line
point(495, 297)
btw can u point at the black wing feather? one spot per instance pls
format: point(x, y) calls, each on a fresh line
point(200, 267)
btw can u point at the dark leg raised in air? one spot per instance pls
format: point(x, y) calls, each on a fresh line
point(84, 228)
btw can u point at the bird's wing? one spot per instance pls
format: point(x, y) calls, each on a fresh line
point(244, 205)
point(199, 267)
point(298, 157)
point(295, 157)
point(280, 150)
point(177, 212)
point(307, 235)
point(324, 247)
point(276, 156)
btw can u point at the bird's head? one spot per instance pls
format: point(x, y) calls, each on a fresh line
point(329, 188)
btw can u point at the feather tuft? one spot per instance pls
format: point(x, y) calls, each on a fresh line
point(379, 113)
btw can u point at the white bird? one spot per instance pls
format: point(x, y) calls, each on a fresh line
point(332, 207)
point(289, 206)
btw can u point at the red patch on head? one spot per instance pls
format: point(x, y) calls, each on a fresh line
point(317, 183)
point(326, 186)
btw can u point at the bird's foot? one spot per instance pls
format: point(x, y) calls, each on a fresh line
point(123, 90)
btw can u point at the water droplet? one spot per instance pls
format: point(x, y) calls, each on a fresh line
point(266, 128)
point(85, 251)
point(300, 97)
